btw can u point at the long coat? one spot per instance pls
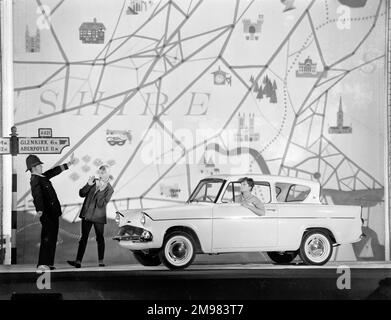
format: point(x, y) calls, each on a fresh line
point(94, 205)
point(44, 196)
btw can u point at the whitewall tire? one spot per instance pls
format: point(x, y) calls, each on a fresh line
point(316, 247)
point(178, 250)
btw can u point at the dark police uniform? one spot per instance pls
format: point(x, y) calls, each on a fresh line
point(45, 200)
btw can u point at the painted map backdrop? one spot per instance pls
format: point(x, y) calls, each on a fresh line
point(298, 84)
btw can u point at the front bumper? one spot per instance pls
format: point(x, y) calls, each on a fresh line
point(128, 238)
point(133, 234)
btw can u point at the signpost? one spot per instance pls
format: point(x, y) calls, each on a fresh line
point(45, 143)
point(42, 145)
point(5, 147)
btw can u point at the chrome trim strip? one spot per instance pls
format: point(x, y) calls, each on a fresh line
point(147, 215)
point(255, 217)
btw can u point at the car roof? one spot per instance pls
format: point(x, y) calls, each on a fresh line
point(269, 177)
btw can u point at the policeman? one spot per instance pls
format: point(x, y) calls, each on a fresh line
point(47, 206)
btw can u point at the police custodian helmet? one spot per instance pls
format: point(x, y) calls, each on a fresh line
point(32, 161)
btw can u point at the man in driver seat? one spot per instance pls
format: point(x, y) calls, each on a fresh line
point(247, 199)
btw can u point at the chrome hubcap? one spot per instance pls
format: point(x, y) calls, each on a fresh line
point(317, 248)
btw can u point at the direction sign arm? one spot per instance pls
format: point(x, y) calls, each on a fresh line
point(55, 171)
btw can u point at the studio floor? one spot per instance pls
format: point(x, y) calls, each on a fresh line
point(362, 280)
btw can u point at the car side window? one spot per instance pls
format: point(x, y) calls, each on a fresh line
point(261, 190)
point(209, 192)
point(228, 195)
point(281, 191)
point(290, 192)
point(297, 193)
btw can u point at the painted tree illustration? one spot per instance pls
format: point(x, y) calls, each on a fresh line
point(260, 93)
point(268, 88)
point(273, 97)
point(254, 84)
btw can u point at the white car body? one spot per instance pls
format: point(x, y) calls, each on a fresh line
point(222, 226)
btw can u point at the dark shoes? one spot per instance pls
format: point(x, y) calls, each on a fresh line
point(74, 264)
point(78, 265)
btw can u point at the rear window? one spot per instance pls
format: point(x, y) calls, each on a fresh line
point(288, 192)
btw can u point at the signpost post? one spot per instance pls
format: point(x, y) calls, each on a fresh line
point(4, 149)
point(45, 143)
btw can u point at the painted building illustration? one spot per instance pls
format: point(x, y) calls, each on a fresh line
point(289, 5)
point(340, 128)
point(353, 3)
point(33, 42)
point(136, 6)
point(170, 191)
point(308, 69)
point(207, 167)
point(118, 137)
point(221, 77)
point(92, 32)
point(246, 130)
point(252, 29)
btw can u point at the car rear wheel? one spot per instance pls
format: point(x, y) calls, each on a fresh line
point(149, 259)
point(178, 250)
point(283, 256)
point(316, 247)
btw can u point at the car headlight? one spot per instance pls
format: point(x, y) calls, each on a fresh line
point(142, 219)
point(118, 217)
point(146, 236)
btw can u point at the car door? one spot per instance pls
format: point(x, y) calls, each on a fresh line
point(236, 228)
point(293, 214)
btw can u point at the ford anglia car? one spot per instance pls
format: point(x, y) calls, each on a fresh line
point(213, 222)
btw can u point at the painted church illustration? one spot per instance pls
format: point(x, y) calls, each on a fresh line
point(340, 128)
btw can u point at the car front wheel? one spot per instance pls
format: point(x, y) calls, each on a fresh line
point(316, 247)
point(178, 250)
point(283, 256)
point(149, 259)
